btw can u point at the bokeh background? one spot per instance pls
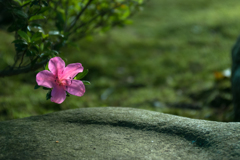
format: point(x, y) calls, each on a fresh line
point(170, 59)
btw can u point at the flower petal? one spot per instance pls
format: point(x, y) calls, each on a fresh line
point(45, 79)
point(76, 88)
point(58, 94)
point(71, 70)
point(56, 65)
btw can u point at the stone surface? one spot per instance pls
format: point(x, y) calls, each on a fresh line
point(117, 133)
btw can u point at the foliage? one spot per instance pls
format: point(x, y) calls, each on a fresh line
point(43, 27)
point(171, 51)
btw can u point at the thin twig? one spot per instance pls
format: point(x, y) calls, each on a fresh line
point(28, 68)
point(78, 16)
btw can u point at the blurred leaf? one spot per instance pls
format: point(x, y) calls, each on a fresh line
point(37, 86)
point(45, 3)
point(36, 17)
point(29, 53)
point(27, 1)
point(59, 21)
point(20, 41)
point(20, 13)
point(34, 3)
point(45, 88)
point(43, 9)
point(33, 62)
point(35, 48)
point(48, 95)
point(20, 47)
point(24, 35)
point(55, 52)
point(45, 35)
point(46, 67)
point(12, 28)
point(37, 36)
point(86, 83)
point(17, 24)
point(82, 74)
point(67, 94)
point(55, 33)
point(41, 46)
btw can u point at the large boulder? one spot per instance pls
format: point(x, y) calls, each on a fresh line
point(117, 133)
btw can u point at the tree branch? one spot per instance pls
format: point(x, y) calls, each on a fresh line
point(28, 68)
point(78, 16)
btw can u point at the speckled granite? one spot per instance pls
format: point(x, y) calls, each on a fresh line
point(117, 133)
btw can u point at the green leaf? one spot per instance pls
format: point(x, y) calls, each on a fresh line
point(35, 48)
point(86, 83)
point(46, 67)
point(20, 13)
point(29, 53)
point(27, 1)
point(45, 3)
point(47, 88)
point(43, 9)
point(82, 74)
point(41, 46)
point(37, 36)
point(37, 86)
point(19, 41)
point(48, 95)
point(55, 52)
point(24, 35)
point(45, 35)
point(67, 94)
point(59, 22)
point(36, 17)
point(34, 3)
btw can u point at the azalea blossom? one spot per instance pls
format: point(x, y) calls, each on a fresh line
point(60, 78)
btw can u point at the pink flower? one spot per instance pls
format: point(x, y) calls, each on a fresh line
point(60, 78)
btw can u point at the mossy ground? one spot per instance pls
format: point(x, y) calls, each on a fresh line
point(171, 51)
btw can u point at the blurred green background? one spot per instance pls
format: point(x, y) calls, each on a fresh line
point(165, 61)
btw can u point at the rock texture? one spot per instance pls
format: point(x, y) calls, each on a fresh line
point(117, 133)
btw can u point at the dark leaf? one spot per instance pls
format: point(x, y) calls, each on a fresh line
point(29, 53)
point(34, 3)
point(35, 48)
point(43, 9)
point(59, 21)
point(12, 28)
point(37, 86)
point(45, 3)
point(24, 35)
point(48, 95)
point(20, 41)
point(37, 36)
point(20, 13)
point(67, 94)
point(47, 88)
point(34, 61)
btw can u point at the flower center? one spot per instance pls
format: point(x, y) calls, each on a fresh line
point(60, 82)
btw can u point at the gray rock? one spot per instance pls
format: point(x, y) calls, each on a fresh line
point(117, 133)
